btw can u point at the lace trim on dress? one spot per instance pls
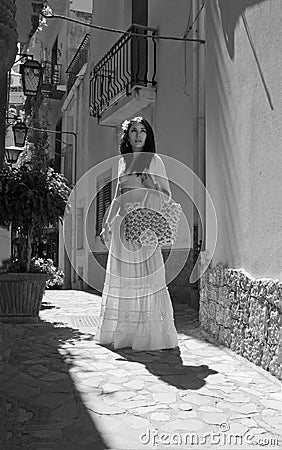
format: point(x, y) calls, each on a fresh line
point(137, 316)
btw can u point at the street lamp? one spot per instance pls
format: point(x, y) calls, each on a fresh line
point(31, 72)
point(12, 154)
point(20, 133)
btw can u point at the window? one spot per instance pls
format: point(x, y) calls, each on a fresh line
point(79, 228)
point(103, 199)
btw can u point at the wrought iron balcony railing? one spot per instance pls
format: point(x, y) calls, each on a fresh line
point(77, 62)
point(52, 73)
point(132, 61)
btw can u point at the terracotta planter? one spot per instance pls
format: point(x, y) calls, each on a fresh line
point(21, 296)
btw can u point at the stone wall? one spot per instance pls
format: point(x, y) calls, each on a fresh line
point(244, 314)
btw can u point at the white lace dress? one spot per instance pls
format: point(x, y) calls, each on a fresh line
point(136, 309)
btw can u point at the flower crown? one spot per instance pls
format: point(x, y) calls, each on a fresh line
point(126, 123)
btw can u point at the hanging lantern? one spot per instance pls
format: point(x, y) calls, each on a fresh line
point(12, 154)
point(31, 72)
point(20, 132)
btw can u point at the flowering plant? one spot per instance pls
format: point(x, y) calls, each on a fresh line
point(31, 198)
point(40, 265)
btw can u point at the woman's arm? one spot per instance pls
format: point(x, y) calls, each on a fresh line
point(159, 176)
point(113, 209)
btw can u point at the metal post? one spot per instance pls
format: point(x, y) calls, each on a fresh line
point(3, 111)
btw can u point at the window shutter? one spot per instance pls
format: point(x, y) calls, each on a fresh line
point(103, 199)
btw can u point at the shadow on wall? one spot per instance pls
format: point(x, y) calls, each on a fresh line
point(222, 128)
point(231, 12)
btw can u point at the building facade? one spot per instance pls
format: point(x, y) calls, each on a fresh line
point(127, 76)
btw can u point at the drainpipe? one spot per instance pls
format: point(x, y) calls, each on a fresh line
point(75, 118)
point(199, 129)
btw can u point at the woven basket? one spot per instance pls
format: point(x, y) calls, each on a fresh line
point(21, 296)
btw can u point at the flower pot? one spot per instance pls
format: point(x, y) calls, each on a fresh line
point(21, 296)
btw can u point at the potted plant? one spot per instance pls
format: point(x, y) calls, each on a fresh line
point(32, 197)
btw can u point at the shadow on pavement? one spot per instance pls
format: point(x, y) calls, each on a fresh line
point(40, 407)
point(168, 366)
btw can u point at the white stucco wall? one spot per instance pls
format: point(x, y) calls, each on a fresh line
point(5, 245)
point(244, 133)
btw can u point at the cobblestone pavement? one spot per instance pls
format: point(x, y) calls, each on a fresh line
point(61, 390)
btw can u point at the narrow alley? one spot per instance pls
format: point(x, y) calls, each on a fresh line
point(62, 390)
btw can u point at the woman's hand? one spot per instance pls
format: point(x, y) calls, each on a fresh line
point(105, 235)
point(148, 182)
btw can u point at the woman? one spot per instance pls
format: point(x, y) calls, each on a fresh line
point(136, 308)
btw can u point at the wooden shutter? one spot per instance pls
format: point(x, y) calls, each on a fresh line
point(103, 199)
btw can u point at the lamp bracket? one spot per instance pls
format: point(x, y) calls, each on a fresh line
point(24, 55)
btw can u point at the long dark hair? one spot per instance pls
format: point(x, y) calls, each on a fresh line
point(143, 160)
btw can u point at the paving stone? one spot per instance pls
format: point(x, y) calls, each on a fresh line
point(22, 391)
point(186, 414)
point(101, 408)
point(217, 379)
point(68, 410)
point(160, 417)
point(147, 377)
point(238, 428)
point(250, 390)
point(135, 422)
point(89, 381)
point(51, 400)
point(210, 409)
point(134, 385)
point(268, 412)
point(246, 409)
point(208, 392)
point(128, 405)
point(227, 389)
point(257, 431)
point(147, 409)
point(272, 404)
point(24, 415)
point(102, 366)
point(113, 380)
point(119, 373)
point(80, 437)
point(118, 396)
point(241, 380)
point(195, 398)
point(235, 397)
point(183, 406)
point(188, 425)
point(53, 376)
point(214, 418)
point(109, 387)
point(274, 421)
point(47, 433)
point(161, 387)
point(249, 423)
point(225, 368)
point(163, 397)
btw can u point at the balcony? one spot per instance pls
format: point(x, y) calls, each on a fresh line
point(124, 80)
point(52, 86)
point(80, 58)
